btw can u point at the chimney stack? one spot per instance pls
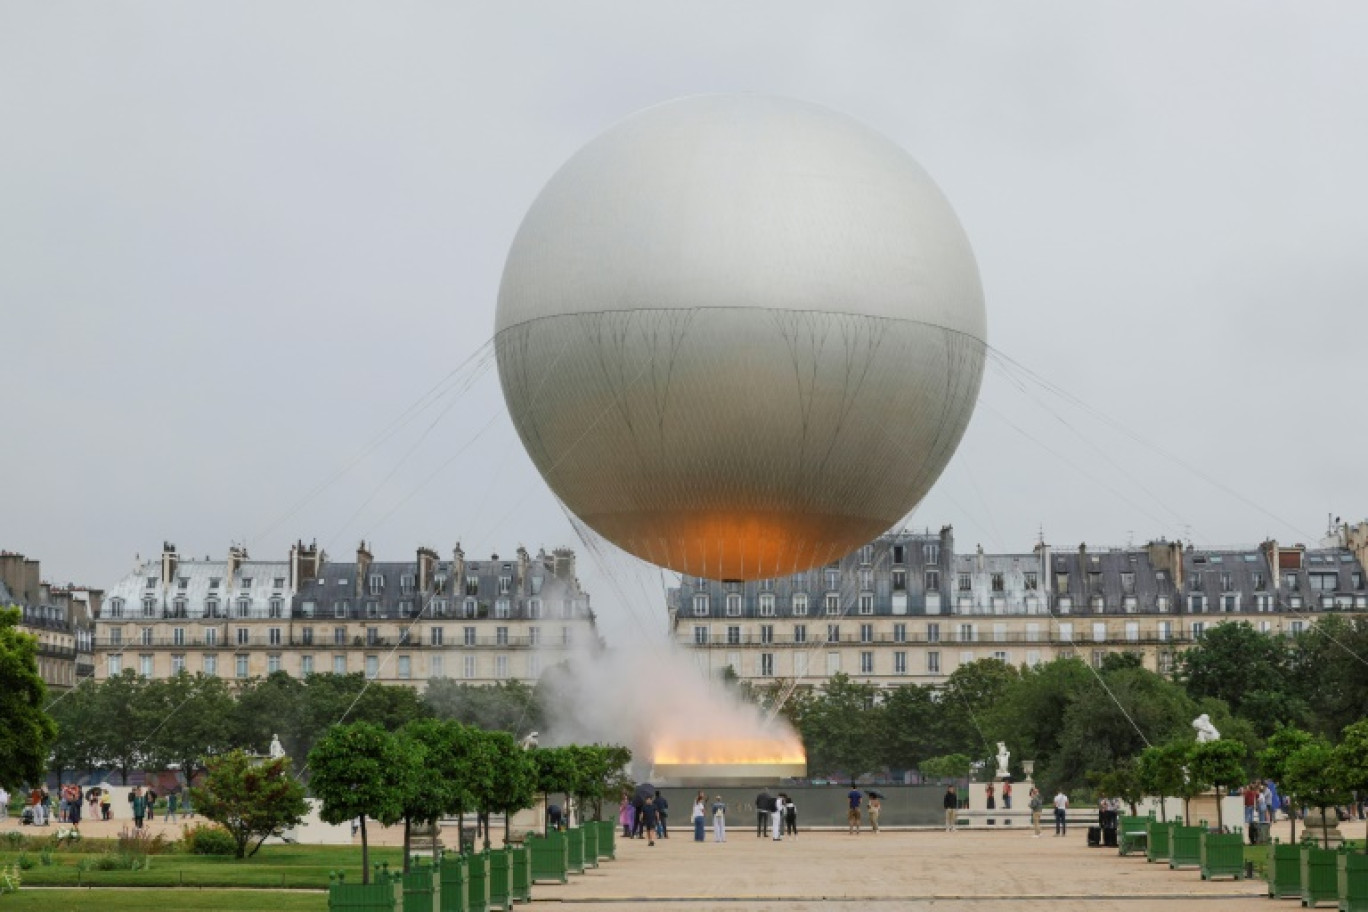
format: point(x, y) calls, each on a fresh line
point(427, 567)
point(363, 562)
point(170, 561)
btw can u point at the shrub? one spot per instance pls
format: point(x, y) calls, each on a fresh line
point(14, 838)
point(10, 878)
point(141, 843)
point(45, 858)
point(206, 839)
point(24, 861)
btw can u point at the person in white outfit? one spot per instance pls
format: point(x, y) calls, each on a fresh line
point(4, 806)
point(777, 818)
point(719, 820)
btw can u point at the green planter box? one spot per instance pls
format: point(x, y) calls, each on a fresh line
point(1223, 854)
point(521, 857)
point(591, 839)
point(574, 841)
point(1185, 845)
point(1352, 868)
point(607, 844)
point(550, 857)
point(477, 884)
point(1319, 876)
point(454, 870)
point(500, 879)
point(422, 888)
point(1157, 841)
point(1132, 834)
point(1284, 870)
point(385, 893)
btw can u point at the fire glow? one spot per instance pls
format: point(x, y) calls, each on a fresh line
point(730, 751)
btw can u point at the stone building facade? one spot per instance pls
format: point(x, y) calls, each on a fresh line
point(907, 608)
point(398, 622)
point(61, 617)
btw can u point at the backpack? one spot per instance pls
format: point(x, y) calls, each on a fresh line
point(1036, 803)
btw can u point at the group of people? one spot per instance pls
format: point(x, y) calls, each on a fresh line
point(873, 804)
point(719, 817)
point(644, 816)
point(1035, 801)
point(775, 815)
point(64, 807)
point(1260, 802)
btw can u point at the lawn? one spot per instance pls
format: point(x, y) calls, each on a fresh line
point(279, 866)
point(142, 900)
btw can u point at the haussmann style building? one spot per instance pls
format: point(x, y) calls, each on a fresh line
point(61, 617)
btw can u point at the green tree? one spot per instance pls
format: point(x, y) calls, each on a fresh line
point(194, 722)
point(429, 783)
point(907, 719)
point(252, 799)
point(1122, 781)
point(968, 700)
point(1221, 764)
point(1281, 745)
point(949, 766)
point(510, 706)
point(75, 713)
point(121, 725)
point(556, 772)
point(1311, 779)
point(1232, 661)
point(28, 733)
point(839, 727)
point(1159, 769)
point(515, 780)
point(1351, 760)
point(353, 771)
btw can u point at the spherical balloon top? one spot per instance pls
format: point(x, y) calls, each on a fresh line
point(739, 335)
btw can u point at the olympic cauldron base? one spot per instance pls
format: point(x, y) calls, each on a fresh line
point(726, 774)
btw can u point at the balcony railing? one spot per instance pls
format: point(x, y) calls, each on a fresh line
point(953, 638)
point(297, 642)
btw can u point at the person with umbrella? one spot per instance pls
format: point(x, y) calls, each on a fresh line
point(874, 805)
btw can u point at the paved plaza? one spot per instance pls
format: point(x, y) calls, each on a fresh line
point(895, 870)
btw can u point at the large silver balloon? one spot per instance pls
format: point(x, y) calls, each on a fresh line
point(740, 336)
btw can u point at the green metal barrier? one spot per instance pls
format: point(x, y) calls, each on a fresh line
point(607, 845)
point(1353, 881)
point(1132, 834)
point(1157, 841)
point(477, 885)
point(1222, 854)
point(422, 887)
point(1185, 845)
point(500, 879)
point(1319, 876)
point(385, 892)
point(1284, 870)
point(454, 869)
point(521, 859)
point(574, 840)
point(591, 838)
point(550, 857)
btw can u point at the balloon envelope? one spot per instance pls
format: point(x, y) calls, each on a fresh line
point(740, 336)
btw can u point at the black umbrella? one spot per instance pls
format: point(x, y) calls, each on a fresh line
point(643, 791)
point(874, 795)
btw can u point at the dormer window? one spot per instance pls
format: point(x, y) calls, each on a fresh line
point(278, 583)
point(377, 584)
point(183, 582)
point(246, 582)
point(406, 584)
point(151, 582)
point(214, 582)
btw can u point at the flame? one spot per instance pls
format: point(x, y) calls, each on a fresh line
point(733, 751)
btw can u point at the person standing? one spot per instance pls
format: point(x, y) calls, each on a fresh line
point(791, 817)
point(649, 819)
point(698, 811)
point(74, 812)
point(1007, 796)
point(139, 807)
point(172, 802)
point(951, 803)
point(1251, 802)
point(625, 813)
point(106, 798)
point(719, 814)
point(763, 803)
point(4, 805)
point(662, 806)
point(1035, 803)
point(875, 805)
point(777, 818)
point(992, 798)
point(853, 797)
point(1061, 810)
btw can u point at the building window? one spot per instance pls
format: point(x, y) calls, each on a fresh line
point(900, 580)
point(211, 665)
point(211, 608)
point(468, 667)
point(149, 607)
point(999, 585)
point(933, 581)
point(273, 636)
point(966, 633)
point(533, 636)
point(240, 666)
point(900, 633)
point(405, 636)
point(1003, 656)
point(800, 633)
point(833, 662)
point(468, 636)
point(372, 636)
point(277, 607)
point(116, 608)
point(800, 604)
point(273, 663)
point(867, 662)
point(244, 636)
point(700, 635)
point(469, 608)
point(435, 636)
point(503, 608)
point(534, 608)
point(733, 604)
point(376, 584)
point(767, 604)
point(965, 584)
point(766, 664)
point(867, 603)
point(177, 663)
point(405, 668)
point(833, 579)
point(339, 664)
point(1031, 581)
point(306, 666)
point(833, 633)
point(244, 607)
point(1198, 628)
point(436, 668)
point(1227, 603)
point(215, 582)
point(833, 604)
point(472, 587)
point(900, 662)
point(501, 666)
point(733, 636)
point(115, 665)
point(246, 583)
point(933, 665)
point(766, 633)
point(372, 667)
point(178, 636)
point(866, 633)
point(700, 604)
point(372, 609)
point(180, 605)
point(500, 636)
point(340, 609)
point(151, 582)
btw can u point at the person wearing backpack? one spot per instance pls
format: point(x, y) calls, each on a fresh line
point(1035, 803)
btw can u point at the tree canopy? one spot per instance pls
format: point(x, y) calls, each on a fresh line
point(252, 798)
point(28, 732)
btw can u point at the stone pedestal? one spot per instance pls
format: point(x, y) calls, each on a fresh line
point(1314, 821)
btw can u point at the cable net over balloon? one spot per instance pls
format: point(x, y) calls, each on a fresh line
point(738, 443)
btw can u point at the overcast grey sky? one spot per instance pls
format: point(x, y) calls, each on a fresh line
point(236, 239)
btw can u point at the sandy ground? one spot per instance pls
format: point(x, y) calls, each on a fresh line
point(914, 870)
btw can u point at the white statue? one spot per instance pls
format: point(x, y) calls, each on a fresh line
point(1205, 730)
point(529, 742)
point(276, 750)
point(1003, 755)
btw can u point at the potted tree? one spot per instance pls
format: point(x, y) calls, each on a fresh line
point(1160, 771)
point(1312, 779)
point(1284, 860)
point(1351, 769)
